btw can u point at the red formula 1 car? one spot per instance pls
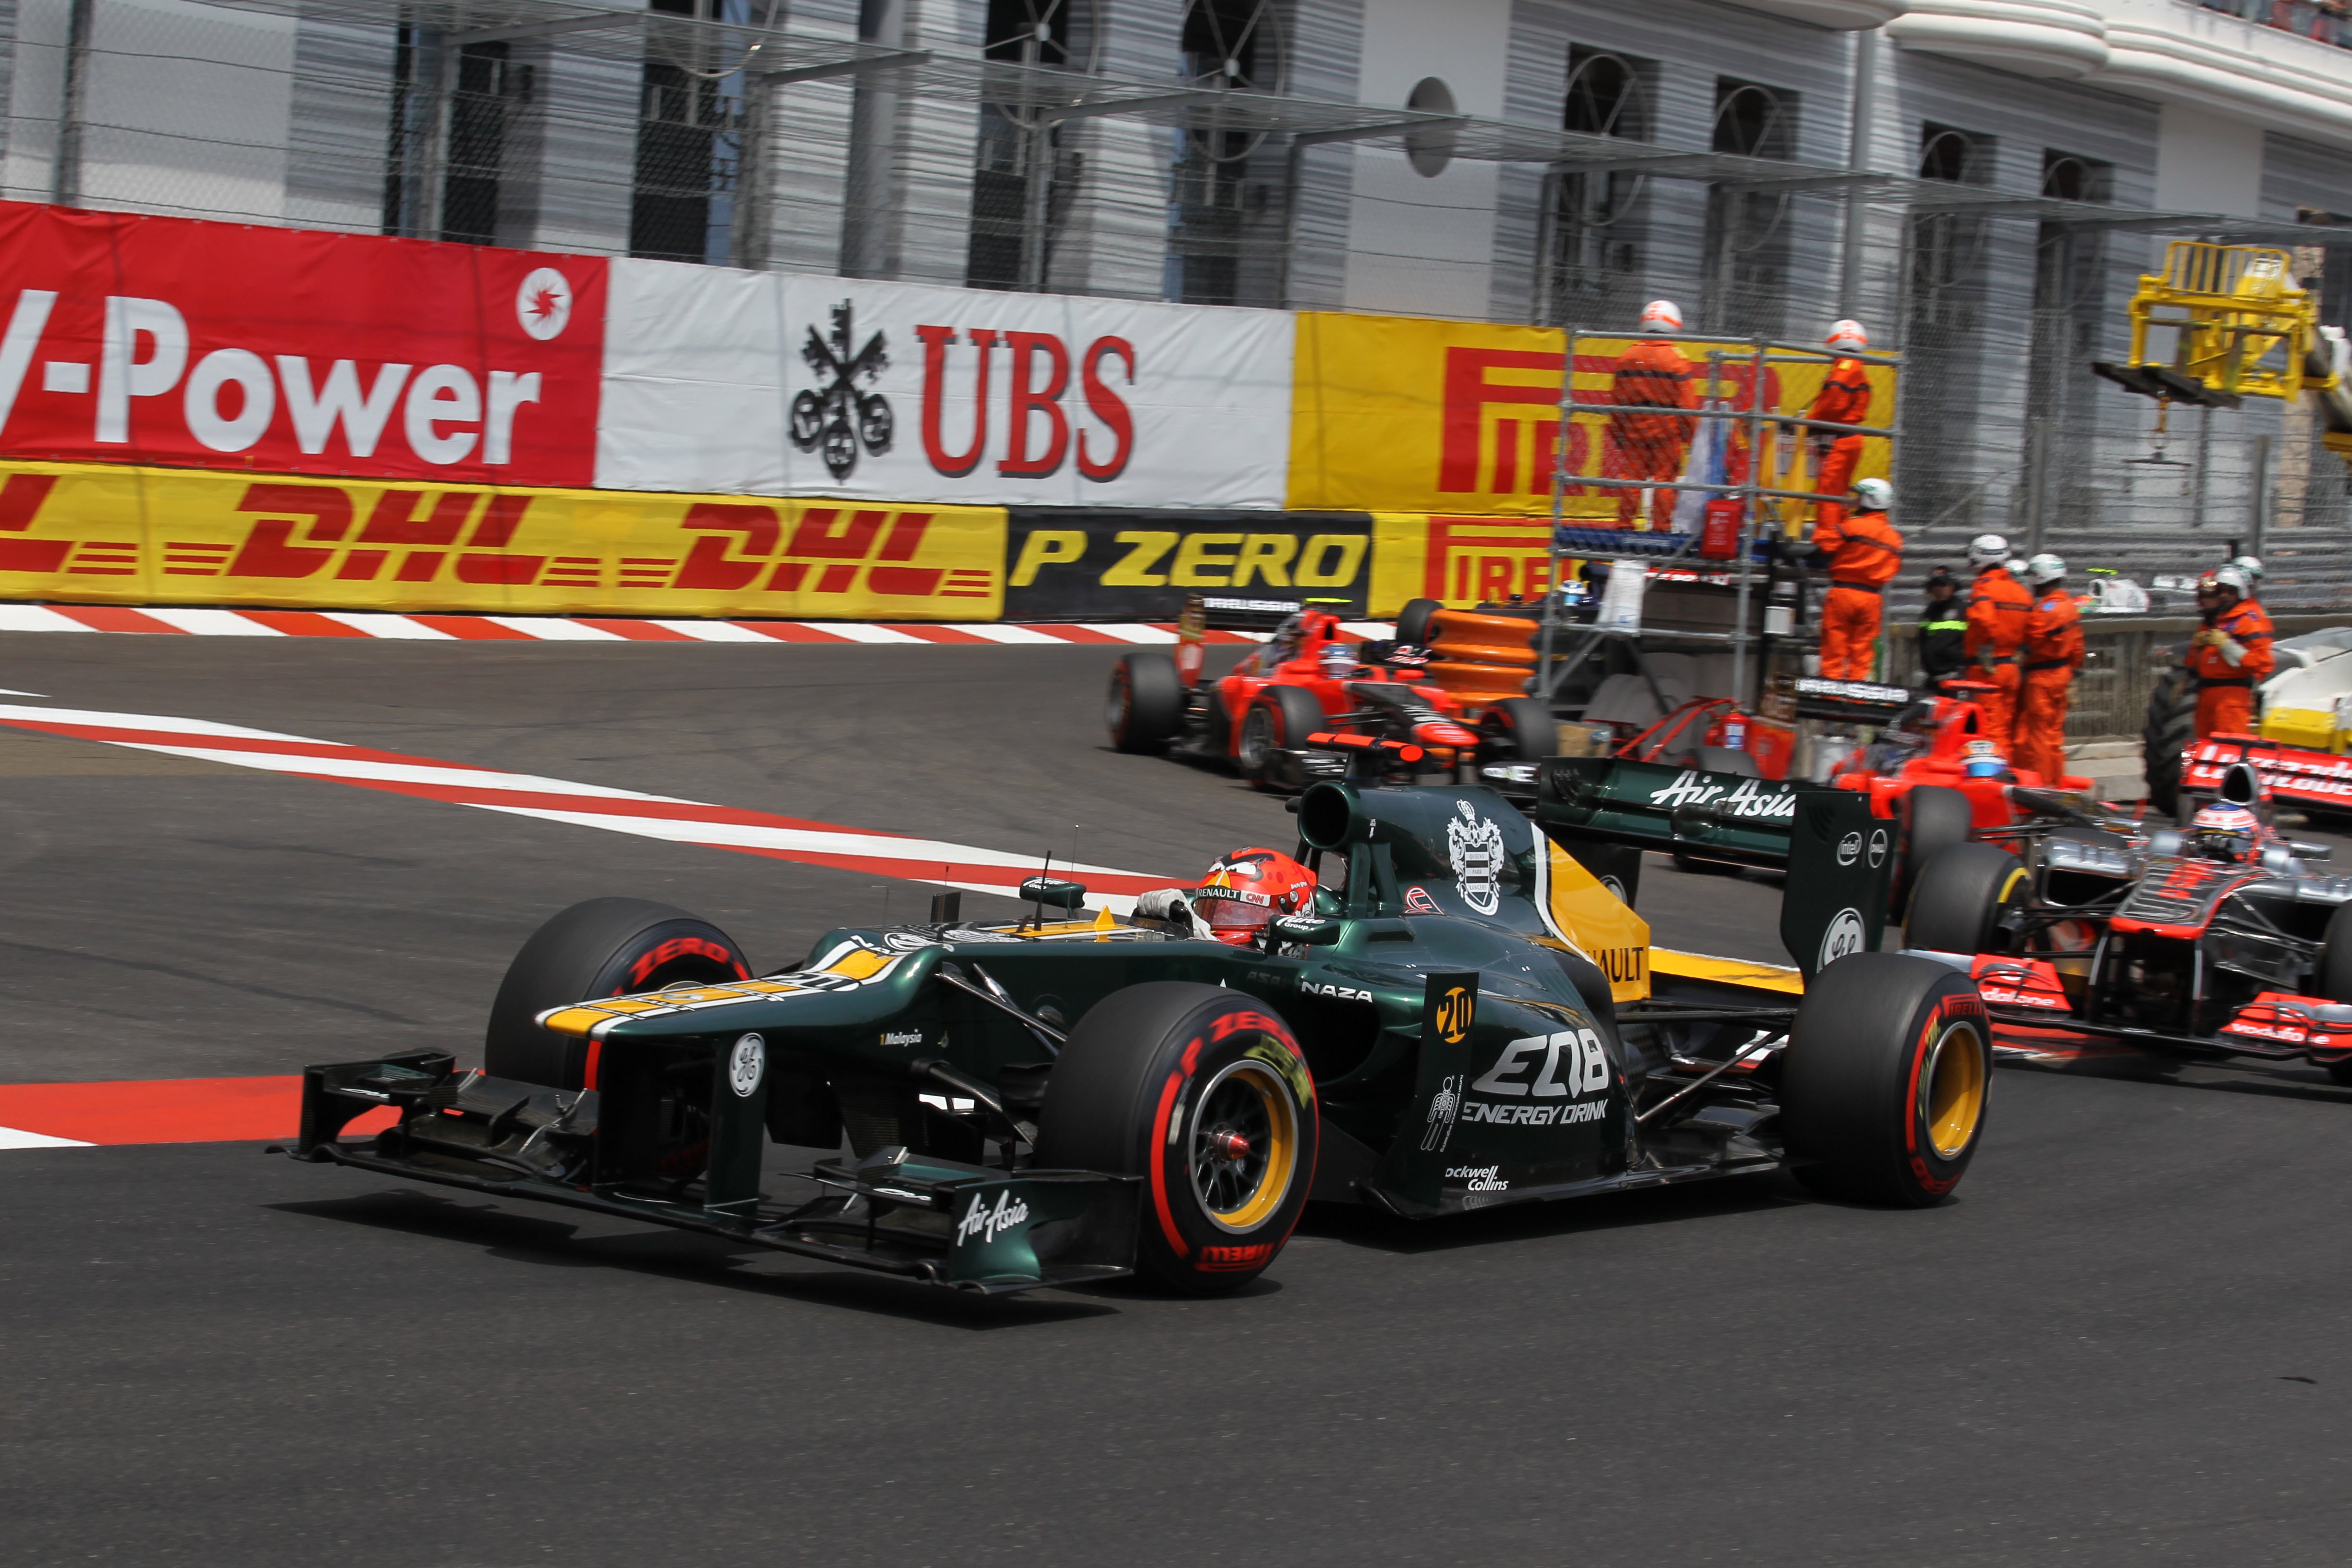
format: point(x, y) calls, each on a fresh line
point(1310, 679)
point(2225, 940)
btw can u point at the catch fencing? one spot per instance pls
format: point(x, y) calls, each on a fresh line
point(1212, 157)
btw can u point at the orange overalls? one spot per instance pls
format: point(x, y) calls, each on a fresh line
point(1864, 553)
point(1650, 373)
point(1845, 399)
point(1998, 606)
point(2225, 692)
point(2053, 652)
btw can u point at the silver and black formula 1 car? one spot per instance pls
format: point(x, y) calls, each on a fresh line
point(1467, 1017)
point(2143, 936)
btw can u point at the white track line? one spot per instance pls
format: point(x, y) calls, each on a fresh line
point(665, 817)
point(209, 623)
point(712, 631)
point(37, 618)
point(555, 628)
point(16, 1138)
point(382, 624)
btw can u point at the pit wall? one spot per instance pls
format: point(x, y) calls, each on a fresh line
point(206, 412)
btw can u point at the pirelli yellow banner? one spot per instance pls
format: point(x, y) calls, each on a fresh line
point(1404, 414)
point(138, 535)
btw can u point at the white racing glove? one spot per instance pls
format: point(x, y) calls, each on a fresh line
point(1170, 906)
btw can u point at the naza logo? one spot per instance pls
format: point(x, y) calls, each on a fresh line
point(1039, 436)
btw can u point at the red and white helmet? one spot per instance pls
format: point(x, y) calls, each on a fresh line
point(2226, 831)
point(1249, 888)
point(1848, 335)
point(1663, 313)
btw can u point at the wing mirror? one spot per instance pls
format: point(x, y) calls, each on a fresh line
point(1054, 893)
point(2314, 853)
point(1306, 931)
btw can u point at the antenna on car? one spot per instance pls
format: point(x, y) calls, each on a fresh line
point(1038, 910)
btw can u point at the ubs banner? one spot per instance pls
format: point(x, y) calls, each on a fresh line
point(1132, 565)
point(790, 384)
point(136, 535)
point(1394, 413)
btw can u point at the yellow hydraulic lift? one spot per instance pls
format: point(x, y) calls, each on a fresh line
point(2240, 327)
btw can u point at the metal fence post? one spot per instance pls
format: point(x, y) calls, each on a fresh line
point(65, 184)
point(2259, 504)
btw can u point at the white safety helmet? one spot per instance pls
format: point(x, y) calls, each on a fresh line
point(2044, 570)
point(1873, 495)
point(1663, 313)
point(1848, 335)
point(2014, 566)
point(2251, 565)
point(1987, 550)
point(2233, 576)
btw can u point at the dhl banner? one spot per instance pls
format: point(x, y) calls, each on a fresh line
point(139, 535)
point(1405, 413)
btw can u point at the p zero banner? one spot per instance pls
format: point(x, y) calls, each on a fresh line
point(140, 535)
point(1401, 414)
point(157, 339)
point(718, 381)
point(1136, 565)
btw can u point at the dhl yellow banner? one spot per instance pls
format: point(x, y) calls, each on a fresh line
point(1394, 412)
point(136, 535)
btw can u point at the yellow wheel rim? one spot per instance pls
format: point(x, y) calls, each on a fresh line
point(1952, 1089)
point(1245, 1146)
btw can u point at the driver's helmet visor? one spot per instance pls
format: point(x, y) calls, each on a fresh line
point(2225, 843)
point(1235, 910)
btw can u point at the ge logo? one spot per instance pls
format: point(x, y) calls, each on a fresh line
point(749, 1059)
point(544, 303)
point(1877, 848)
point(1453, 1012)
point(1845, 935)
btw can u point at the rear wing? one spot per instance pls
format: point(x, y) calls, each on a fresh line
point(1838, 856)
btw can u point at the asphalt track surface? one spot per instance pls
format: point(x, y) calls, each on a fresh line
point(2122, 1342)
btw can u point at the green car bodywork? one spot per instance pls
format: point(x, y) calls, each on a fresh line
point(1458, 1044)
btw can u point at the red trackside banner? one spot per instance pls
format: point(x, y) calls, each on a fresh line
point(169, 340)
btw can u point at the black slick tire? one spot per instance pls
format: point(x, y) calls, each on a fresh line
point(1959, 898)
point(1413, 621)
point(604, 947)
point(1934, 818)
point(1205, 1094)
point(1145, 705)
point(1886, 1079)
point(2170, 726)
point(1278, 718)
point(1519, 730)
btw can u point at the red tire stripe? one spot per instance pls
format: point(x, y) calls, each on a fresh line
point(1158, 1157)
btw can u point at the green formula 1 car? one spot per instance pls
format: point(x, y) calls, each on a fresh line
point(1469, 1016)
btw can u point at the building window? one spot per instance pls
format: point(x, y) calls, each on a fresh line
point(1023, 181)
point(689, 151)
point(1956, 156)
point(1592, 245)
point(1753, 120)
point(447, 147)
point(2067, 177)
point(1747, 284)
point(1218, 214)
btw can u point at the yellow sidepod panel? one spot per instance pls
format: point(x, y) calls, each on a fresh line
point(1584, 911)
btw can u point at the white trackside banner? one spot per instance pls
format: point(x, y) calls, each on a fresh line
point(717, 381)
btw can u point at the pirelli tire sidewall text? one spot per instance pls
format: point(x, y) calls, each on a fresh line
point(1885, 1084)
point(1138, 1088)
